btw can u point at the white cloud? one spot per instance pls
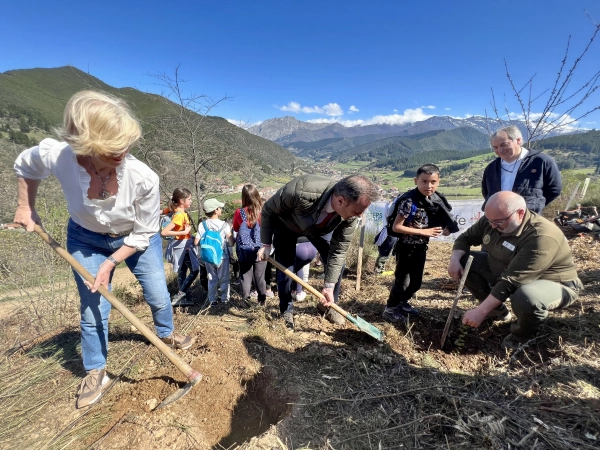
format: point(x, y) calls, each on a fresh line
point(352, 109)
point(243, 124)
point(333, 109)
point(448, 109)
point(395, 110)
point(408, 116)
point(295, 107)
point(330, 109)
point(346, 123)
point(428, 107)
point(591, 123)
point(554, 122)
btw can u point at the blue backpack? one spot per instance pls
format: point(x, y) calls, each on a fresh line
point(211, 245)
point(248, 240)
point(166, 220)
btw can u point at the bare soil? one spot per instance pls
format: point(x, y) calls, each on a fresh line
point(323, 386)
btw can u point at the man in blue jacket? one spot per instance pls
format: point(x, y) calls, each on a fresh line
point(530, 173)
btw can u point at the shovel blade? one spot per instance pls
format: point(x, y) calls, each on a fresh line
point(366, 327)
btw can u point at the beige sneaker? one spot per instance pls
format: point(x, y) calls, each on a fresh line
point(90, 389)
point(178, 341)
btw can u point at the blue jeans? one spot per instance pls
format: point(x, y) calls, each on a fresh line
point(186, 265)
point(91, 250)
point(218, 278)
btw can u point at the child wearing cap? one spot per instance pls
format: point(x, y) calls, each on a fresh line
point(218, 275)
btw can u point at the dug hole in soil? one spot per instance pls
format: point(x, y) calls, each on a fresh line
point(237, 399)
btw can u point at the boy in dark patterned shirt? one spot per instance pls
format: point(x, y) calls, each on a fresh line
point(422, 214)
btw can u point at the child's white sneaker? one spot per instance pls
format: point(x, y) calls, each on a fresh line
point(300, 296)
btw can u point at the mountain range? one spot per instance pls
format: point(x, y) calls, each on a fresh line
point(33, 100)
point(288, 130)
point(378, 146)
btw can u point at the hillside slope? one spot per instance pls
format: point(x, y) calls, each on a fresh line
point(46, 91)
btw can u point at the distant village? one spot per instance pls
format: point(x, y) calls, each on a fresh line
point(386, 192)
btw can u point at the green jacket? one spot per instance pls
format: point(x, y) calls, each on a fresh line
point(538, 250)
point(297, 206)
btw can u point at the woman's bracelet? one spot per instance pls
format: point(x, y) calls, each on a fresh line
point(112, 260)
point(328, 285)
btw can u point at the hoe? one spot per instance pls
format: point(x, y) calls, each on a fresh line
point(192, 376)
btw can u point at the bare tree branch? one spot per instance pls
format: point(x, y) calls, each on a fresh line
point(560, 102)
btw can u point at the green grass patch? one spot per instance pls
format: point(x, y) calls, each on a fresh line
point(351, 165)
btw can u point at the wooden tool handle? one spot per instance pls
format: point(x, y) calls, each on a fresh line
point(461, 285)
point(192, 375)
point(458, 294)
point(305, 285)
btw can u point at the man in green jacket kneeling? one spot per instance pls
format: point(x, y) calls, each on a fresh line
point(524, 257)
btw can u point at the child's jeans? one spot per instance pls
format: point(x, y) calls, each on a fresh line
point(184, 279)
point(218, 278)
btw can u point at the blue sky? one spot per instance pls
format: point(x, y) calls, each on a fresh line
point(346, 61)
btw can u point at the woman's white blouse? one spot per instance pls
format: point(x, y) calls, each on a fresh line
point(134, 209)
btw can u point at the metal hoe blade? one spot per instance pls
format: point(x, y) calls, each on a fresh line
point(178, 393)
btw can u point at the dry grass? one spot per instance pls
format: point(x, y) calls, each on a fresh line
point(342, 389)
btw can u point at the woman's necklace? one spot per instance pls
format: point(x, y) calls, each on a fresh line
point(104, 194)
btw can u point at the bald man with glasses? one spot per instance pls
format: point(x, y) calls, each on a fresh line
point(525, 258)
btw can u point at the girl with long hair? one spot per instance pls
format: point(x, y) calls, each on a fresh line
point(246, 222)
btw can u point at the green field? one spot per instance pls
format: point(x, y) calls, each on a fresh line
point(585, 171)
point(465, 183)
point(351, 166)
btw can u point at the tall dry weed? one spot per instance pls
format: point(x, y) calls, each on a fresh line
point(36, 285)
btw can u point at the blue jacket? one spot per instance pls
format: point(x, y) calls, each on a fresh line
point(538, 180)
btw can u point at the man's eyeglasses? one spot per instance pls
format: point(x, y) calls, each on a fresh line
point(500, 222)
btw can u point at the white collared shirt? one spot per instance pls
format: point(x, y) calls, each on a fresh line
point(325, 211)
point(135, 206)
